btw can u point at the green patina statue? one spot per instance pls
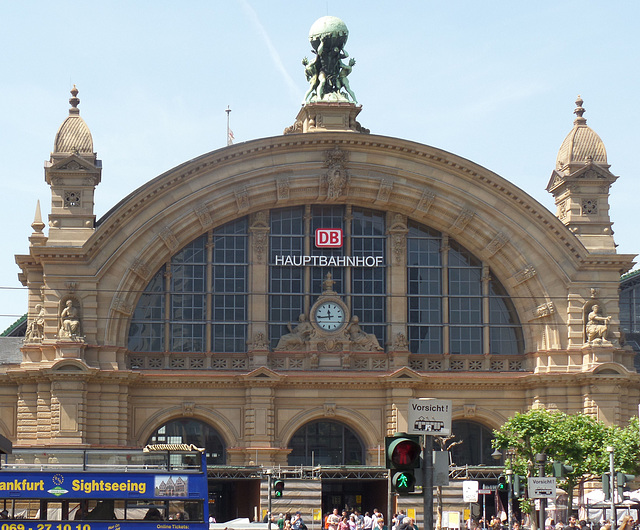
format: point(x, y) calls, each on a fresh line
point(327, 73)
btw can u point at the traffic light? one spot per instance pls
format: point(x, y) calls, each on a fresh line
point(623, 484)
point(606, 486)
point(561, 470)
point(278, 488)
point(402, 458)
point(502, 483)
point(519, 486)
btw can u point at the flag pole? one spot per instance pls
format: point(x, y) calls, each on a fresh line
point(229, 141)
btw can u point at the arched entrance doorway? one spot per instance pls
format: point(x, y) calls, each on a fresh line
point(331, 444)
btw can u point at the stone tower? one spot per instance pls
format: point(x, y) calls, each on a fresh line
point(73, 171)
point(580, 185)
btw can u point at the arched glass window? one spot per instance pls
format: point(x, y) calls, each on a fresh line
point(326, 443)
point(198, 301)
point(475, 448)
point(188, 431)
point(364, 235)
point(451, 294)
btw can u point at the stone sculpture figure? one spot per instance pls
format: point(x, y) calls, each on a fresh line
point(69, 321)
point(362, 341)
point(35, 328)
point(297, 337)
point(327, 73)
point(597, 326)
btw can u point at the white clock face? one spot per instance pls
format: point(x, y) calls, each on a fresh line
point(329, 316)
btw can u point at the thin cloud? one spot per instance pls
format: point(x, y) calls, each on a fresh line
point(273, 52)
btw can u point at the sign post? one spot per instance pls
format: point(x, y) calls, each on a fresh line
point(430, 417)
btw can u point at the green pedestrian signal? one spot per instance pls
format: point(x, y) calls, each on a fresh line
point(278, 488)
point(403, 481)
point(502, 483)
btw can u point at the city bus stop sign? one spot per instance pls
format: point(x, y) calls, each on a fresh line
point(429, 416)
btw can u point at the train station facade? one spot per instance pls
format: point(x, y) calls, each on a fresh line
point(280, 301)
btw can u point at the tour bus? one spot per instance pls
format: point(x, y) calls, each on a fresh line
point(162, 487)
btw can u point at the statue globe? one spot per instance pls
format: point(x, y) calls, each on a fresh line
point(327, 72)
point(331, 28)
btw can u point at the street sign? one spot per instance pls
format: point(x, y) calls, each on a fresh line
point(542, 487)
point(429, 416)
point(470, 491)
point(484, 492)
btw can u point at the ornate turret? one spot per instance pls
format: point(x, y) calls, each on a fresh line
point(73, 172)
point(580, 185)
point(329, 103)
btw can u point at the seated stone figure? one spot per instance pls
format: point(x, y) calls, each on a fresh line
point(69, 321)
point(361, 340)
point(297, 337)
point(597, 326)
point(35, 329)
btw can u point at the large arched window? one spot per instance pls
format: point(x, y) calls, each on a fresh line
point(455, 305)
point(475, 448)
point(327, 443)
point(198, 301)
point(291, 287)
point(189, 431)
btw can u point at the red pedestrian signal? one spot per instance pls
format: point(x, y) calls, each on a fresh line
point(403, 451)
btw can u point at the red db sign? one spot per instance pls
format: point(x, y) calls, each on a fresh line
point(328, 237)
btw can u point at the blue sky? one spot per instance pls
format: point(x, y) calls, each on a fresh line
point(494, 82)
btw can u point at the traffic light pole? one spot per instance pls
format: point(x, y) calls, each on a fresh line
point(510, 497)
point(614, 519)
point(541, 460)
point(269, 501)
point(427, 481)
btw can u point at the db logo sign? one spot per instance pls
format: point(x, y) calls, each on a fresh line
point(328, 237)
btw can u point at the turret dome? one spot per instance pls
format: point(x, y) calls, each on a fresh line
point(582, 144)
point(73, 135)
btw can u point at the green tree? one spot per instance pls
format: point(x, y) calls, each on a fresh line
point(577, 440)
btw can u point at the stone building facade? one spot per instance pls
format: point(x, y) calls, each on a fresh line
point(208, 297)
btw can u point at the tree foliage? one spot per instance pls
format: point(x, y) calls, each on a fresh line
point(577, 440)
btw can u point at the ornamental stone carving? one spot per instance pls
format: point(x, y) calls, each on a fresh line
point(242, 199)
point(169, 239)
point(202, 212)
point(398, 232)
point(524, 274)
point(140, 268)
point(499, 241)
point(461, 222)
point(337, 176)
point(426, 201)
point(384, 193)
point(282, 186)
point(544, 310)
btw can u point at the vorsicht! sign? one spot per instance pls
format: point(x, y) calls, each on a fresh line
point(429, 416)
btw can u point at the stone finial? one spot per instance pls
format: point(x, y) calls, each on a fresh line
point(74, 101)
point(579, 112)
point(37, 238)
